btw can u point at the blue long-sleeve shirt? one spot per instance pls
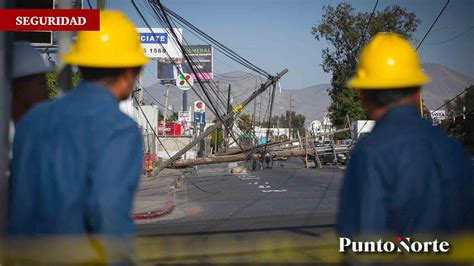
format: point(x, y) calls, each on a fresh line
point(406, 177)
point(75, 169)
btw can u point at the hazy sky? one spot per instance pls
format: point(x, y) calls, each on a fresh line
point(275, 34)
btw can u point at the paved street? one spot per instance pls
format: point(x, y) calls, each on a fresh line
point(212, 199)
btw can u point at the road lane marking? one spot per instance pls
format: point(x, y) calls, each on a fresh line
point(274, 190)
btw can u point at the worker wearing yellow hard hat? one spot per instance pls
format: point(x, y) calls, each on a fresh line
point(388, 62)
point(77, 160)
point(117, 44)
point(405, 177)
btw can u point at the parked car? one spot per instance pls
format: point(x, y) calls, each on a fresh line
point(328, 158)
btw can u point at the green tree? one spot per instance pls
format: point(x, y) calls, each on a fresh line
point(52, 81)
point(459, 121)
point(245, 123)
point(297, 122)
point(469, 117)
point(343, 28)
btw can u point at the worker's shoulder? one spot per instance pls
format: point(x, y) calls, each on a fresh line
point(36, 116)
point(413, 133)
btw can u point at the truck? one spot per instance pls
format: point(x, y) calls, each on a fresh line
point(360, 128)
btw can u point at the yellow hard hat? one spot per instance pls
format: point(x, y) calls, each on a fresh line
point(117, 44)
point(388, 61)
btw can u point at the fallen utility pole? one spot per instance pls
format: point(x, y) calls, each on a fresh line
point(255, 156)
point(218, 124)
point(284, 142)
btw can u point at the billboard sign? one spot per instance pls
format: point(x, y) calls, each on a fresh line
point(169, 130)
point(159, 42)
point(201, 56)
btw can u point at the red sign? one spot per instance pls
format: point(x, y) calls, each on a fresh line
point(49, 19)
point(169, 129)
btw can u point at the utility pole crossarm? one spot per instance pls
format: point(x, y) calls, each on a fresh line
point(219, 123)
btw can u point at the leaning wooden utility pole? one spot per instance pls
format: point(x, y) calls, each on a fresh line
point(289, 119)
point(229, 124)
point(255, 156)
point(220, 122)
point(285, 142)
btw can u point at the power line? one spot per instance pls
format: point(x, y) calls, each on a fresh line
point(161, 21)
point(452, 38)
point(166, 20)
point(452, 99)
point(362, 38)
point(229, 52)
point(432, 25)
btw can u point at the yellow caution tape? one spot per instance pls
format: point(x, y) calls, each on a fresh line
point(238, 108)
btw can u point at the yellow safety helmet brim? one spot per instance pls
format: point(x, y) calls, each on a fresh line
point(388, 61)
point(359, 83)
point(128, 60)
point(116, 44)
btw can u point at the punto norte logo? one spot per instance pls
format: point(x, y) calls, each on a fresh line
point(399, 245)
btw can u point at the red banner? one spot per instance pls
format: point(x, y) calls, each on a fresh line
point(49, 19)
point(169, 129)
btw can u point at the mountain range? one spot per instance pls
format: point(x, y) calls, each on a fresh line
point(312, 101)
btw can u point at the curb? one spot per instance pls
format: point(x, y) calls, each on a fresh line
point(169, 207)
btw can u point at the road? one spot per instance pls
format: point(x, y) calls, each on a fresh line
point(211, 199)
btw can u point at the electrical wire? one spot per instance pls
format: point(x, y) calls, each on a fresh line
point(168, 22)
point(164, 20)
point(210, 101)
point(432, 25)
point(228, 51)
point(452, 38)
point(362, 38)
point(215, 111)
point(452, 99)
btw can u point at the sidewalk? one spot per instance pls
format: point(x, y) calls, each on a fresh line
point(155, 196)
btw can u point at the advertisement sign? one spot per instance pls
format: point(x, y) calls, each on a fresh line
point(184, 116)
point(169, 130)
point(184, 82)
point(199, 106)
point(201, 56)
point(158, 42)
point(438, 116)
point(197, 117)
